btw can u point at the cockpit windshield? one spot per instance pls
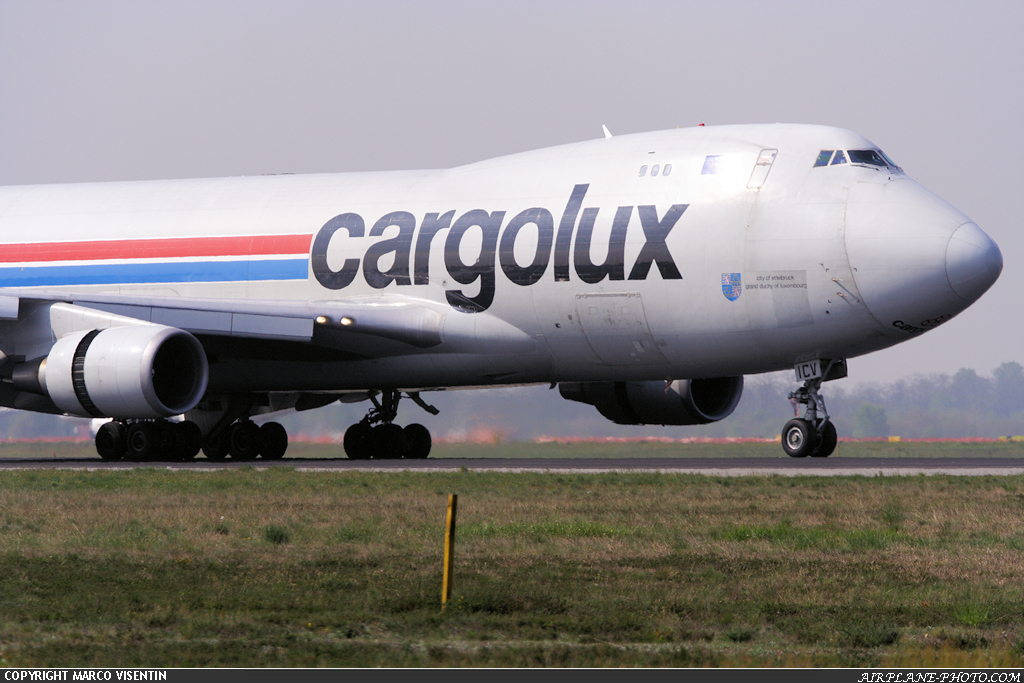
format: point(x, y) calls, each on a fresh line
point(867, 156)
point(859, 157)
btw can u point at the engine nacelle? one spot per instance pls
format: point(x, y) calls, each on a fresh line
point(683, 402)
point(129, 372)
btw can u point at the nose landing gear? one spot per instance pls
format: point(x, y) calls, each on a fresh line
point(376, 435)
point(813, 434)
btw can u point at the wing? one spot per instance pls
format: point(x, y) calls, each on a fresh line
point(356, 325)
point(50, 338)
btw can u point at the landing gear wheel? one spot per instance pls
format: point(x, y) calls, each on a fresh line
point(389, 442)
point(273, 441)
point(164, 442)
point(188, 439)
point(216, 446)
point(418, 438)
point(244, 441)
point(829, 440)
point(358, 441)
point(386, 440)
point(111, 441)
point(140, 444)
point(798, 438)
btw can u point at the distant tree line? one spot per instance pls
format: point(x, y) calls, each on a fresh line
point(964, 404)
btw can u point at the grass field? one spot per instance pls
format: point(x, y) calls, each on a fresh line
point(251, 567)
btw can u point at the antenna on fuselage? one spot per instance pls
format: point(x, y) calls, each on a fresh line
point(607, 133)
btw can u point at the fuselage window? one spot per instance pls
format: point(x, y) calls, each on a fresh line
point(643, 171)
point(654, 170)
point(839, 158)
point(824, 158)
point(668, 169)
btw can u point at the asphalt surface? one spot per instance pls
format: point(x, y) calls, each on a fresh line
point(835, 466)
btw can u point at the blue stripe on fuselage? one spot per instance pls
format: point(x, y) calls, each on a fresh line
point(152, 273)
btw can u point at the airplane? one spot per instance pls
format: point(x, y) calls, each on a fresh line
point(642, 274)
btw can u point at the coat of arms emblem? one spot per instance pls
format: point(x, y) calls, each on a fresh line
point(731, 286)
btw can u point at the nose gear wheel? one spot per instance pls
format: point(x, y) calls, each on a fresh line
point(813, 434)
point(799, 438)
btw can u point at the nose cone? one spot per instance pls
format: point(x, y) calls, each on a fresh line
point(973, 262)
point(916, 260)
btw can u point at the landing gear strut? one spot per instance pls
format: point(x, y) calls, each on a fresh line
point(376, 435)
point(813, 434)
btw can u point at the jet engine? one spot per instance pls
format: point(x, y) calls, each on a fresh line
point(681, 402)
point(127, 372)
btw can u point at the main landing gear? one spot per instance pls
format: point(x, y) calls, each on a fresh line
point(245, 440)
point(148, 440)
point(376, 435)
point(813, 434)
point(164, 441)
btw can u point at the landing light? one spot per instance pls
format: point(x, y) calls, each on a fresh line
point(345, 321)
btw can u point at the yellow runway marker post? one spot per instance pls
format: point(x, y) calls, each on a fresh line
point(449, 550)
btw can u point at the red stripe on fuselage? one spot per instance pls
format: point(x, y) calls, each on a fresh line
point(174, 247)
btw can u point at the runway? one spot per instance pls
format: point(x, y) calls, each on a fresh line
point(723, 466)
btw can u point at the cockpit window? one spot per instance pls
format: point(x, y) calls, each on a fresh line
point(887, 159)
point(867, 156)
point(860, 157)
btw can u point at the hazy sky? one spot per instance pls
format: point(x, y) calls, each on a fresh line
point(104, 90)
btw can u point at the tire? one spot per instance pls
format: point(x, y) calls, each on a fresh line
point(358, 441)
point(419, 441)
point(111, 441)
point(829, 440)
point(188, 439)
point(140, 444)
point(244, 441)
point(165, 442)
point(390, 442)
point(798, 438)
point(216, 446)
point(273, 441)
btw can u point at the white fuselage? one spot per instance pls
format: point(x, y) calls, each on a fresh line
point(744, 258)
